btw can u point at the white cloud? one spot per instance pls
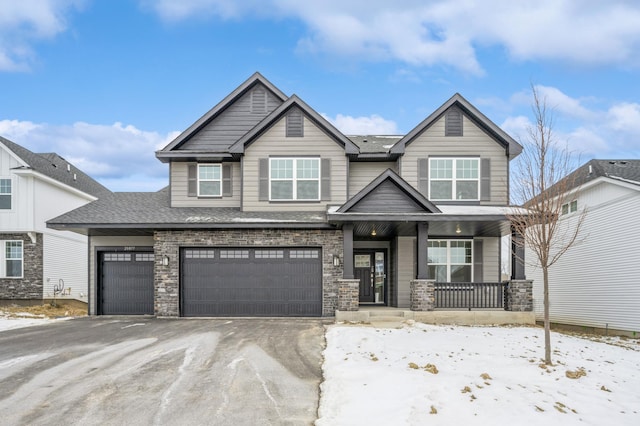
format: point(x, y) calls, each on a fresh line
point(120, 156)
point(444, 32)
point(23, 22)
point(372, 125)
point(588, 132)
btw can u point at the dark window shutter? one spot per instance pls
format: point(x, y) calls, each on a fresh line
point(227, 188)
point(295, 124)
point(325, 184)
point(477, 261)
point(423, 176)
point(485, 179)
point(192, 179)
point(453, 122)
point(263, 185)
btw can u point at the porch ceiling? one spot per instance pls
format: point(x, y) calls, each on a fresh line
point(389, 229)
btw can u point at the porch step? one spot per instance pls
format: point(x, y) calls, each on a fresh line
point(387, 313)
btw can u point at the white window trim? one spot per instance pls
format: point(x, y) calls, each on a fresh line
point(454, 179)
point(3, 259)
point(10, 193)
point(219, 166)
point(294, 179)
point(449, 264)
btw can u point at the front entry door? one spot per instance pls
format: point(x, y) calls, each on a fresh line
point(369, 268)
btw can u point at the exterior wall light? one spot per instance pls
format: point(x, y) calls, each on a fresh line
point(336, 260)
point(165, 260)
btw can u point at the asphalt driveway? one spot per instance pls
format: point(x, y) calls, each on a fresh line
point(160, 371)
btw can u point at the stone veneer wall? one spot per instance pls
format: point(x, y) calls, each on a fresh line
point(168, 243)
point(520, 296)
point(422, 296)
point(30, 285)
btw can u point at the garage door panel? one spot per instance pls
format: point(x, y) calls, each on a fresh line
point(126, 284)
point(252, 282)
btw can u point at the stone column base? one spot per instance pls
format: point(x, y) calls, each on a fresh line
point(520, 296)
point(422, 296)
point(348, 294)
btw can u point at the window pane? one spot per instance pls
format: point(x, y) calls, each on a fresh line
point(574, 206)
point(467, 190)
point(307, 169)
point(307, 190)
point(461, 252)
point(209, 172)
point(467, 169)
point(565, 208)
point(281, 169)
point(441, 190)
point(437, 252)
point(14, 268)
point(461, 273)
point(5, 186)
point(441, 169)
point(5, 202)
point(210, 188)
point(282, 190)
point(438, 273)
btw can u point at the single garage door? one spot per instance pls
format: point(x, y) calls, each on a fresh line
point(251, 282)
point(126, 283)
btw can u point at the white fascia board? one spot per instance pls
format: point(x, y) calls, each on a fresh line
point(56, 183)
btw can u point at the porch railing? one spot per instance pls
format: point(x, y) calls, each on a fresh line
point(470, 295)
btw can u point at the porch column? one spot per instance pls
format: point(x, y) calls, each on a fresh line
point(517, 256)
point(423, 269)
point(347, 251)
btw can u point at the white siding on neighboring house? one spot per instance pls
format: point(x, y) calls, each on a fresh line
point(51, 201)
point(180, 182)
point(597, 282)
point(361, 174)
point(109, 242)
point(274, 143)
point(433, 142)
point(65, 262)
point(20, 217)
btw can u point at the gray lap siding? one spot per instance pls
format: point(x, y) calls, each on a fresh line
point(168, 243)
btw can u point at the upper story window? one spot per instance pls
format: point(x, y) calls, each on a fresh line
point(451, 260)
point(5, 194)
point(209, 180)
point(570, 207)
point(454, 179)
point(11, 258)
point(294, 179)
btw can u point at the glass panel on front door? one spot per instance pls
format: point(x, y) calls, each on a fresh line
point(379, 277)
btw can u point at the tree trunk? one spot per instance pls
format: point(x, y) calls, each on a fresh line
point(547, 326)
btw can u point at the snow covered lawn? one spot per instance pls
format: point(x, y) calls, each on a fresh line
point(446, 375)
point(8, 322)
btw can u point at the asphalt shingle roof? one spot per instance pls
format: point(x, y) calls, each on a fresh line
point(373, 144)
point(54, 166)
point(152, 208)
point(628, 170)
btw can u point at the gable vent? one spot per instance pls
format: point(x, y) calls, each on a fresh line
point(295, 124)
point(259, 101)
point(453, 122)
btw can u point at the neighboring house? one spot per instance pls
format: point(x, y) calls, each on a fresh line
point(271, 211)
point(36, 261)
point(595, 283)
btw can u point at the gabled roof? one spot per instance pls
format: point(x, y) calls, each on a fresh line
point(256, 78)
point(278, 113)
point(513, 148)
point(403, 191)
point(55, 167)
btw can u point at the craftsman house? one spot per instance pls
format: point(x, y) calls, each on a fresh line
point(272, 211)
point(36, 262)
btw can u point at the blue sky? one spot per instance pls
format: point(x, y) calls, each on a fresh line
point(106, 83)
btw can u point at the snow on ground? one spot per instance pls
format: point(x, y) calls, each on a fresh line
point(24, 319)
point(446, 375)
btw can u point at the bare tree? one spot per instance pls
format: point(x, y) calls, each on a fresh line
point(543, 182)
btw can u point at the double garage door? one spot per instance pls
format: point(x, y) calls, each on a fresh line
point(251, 282)
point(219, 281)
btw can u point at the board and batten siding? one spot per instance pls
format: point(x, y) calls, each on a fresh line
point(596, 283)
point(179, 172)
point(232, 123)
point(65, 262)
point(361, 174)
point(474, 142)
point(274, 143)
point(120, 241)
point(20, 217)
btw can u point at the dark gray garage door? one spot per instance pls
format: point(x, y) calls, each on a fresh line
point(126, 283)
point(251, 282)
